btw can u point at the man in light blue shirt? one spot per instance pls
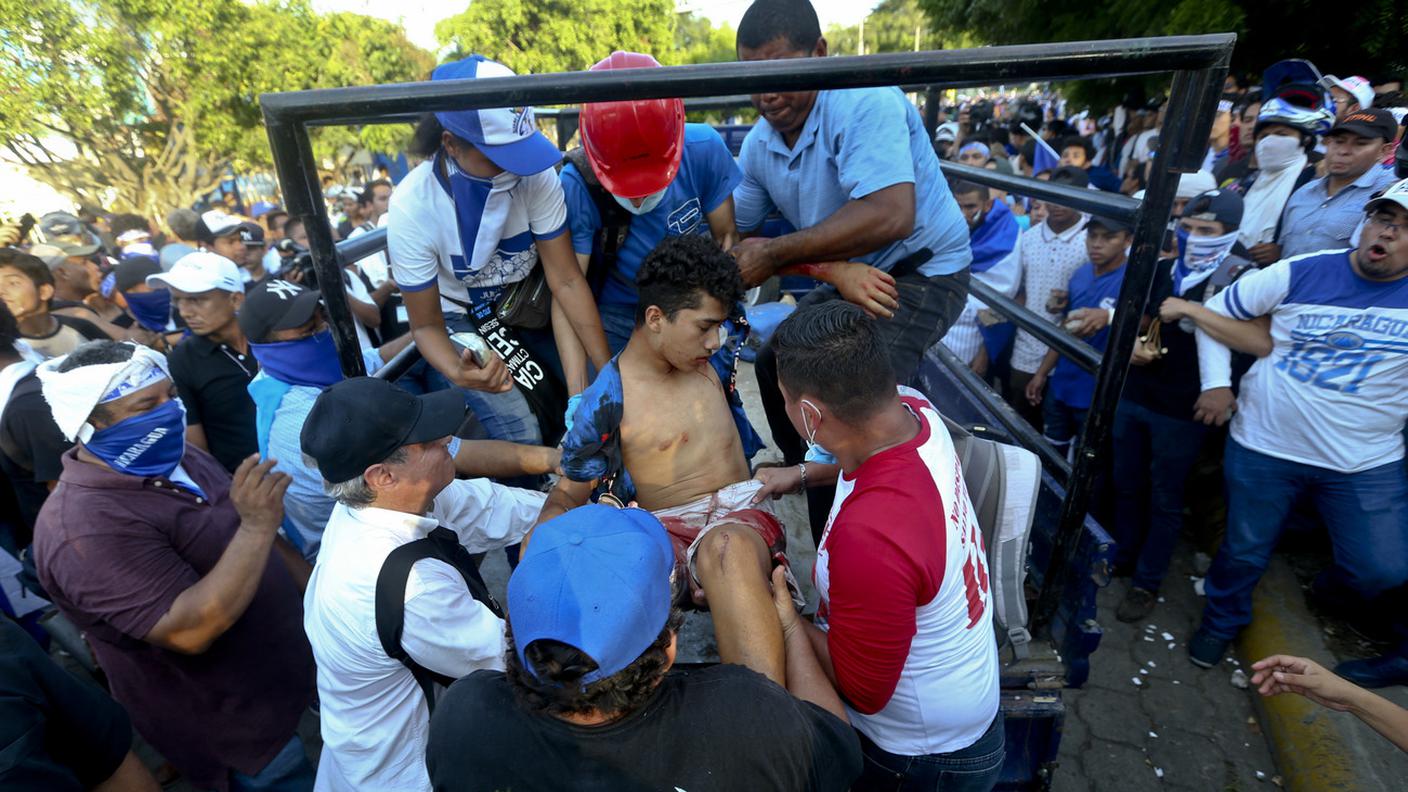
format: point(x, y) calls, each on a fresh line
point(1323, 214)
point(855, 173)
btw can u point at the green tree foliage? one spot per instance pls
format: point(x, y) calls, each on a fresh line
point(698, 41)
point(535, 36)
point(894, 26)
point(1363, 36)
point(144, 105)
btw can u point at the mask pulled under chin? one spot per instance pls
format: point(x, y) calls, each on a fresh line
point(647, 205)
point(150, 444)
point(311, 361)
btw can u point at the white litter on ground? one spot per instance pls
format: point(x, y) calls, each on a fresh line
point(1260, 776)
point(1200, 587)
point(1144, 672)
point(1149, 638)
point(1159, 772)
point(1153, 734)
point(1137, 681)
point(1171, 644)
point(1239, 679)
point(1151, 664)
point(1168, 636)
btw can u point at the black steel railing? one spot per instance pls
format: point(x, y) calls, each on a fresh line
point(1199, 64)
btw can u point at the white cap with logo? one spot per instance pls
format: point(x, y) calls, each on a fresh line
point(198, 272)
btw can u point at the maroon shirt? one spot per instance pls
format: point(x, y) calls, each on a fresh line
point(114, 552)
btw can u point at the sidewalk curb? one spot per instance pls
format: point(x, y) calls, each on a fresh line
point(1314, 750)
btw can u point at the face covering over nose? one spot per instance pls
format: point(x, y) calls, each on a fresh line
point(152, 310)
point(150, 444)
point(647, 205)
point(308, 361)
point(1277, 152)
point(1198, 258)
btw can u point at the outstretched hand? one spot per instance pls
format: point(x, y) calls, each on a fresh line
point(1287, 674)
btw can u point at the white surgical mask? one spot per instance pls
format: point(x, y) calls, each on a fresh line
point(647, 205)
point(1277, 152)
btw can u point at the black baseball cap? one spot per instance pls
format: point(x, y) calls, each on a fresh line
point(361, 421)
point(1222, 206)
point(1371, 122)
point(1070, 175)
point(133, 270)
point(251, 234)
point(276, 304)
point(1110, 224)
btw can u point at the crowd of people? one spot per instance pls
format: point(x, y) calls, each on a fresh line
point(241, 532)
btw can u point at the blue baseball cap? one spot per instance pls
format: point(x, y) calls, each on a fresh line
point(262, 208)
point(598, 579)
point(508, 136)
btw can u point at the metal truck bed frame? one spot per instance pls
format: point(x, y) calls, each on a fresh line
point(1062, 561)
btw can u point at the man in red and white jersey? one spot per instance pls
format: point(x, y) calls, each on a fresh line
point(904, 627)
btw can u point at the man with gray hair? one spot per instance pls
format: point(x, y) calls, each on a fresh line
point(182, 223)
point(396, 609)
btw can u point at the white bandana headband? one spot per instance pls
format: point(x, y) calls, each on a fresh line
point(72, 395)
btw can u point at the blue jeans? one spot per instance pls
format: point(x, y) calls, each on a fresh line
point(1366, 514)
point(1153, 456)
point(972, 769)
point(289, 771)
point(505, 416)
point(1061, 422)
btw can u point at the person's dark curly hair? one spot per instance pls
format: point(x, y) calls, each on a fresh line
point(560, 692)
point(9, 329)
point(122, 223)
point(833, 351)
point(680, 271)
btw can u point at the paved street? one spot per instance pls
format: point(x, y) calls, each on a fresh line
point(1191, 724)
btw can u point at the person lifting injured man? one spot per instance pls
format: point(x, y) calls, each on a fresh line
point(589, 699)
point(662, 427)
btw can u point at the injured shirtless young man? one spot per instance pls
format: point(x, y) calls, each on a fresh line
point(662, 428)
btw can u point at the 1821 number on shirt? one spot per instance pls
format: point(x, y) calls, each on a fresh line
point(1324, 366)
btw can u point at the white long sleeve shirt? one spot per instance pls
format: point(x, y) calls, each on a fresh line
point(375, 720)
point(1333, 393)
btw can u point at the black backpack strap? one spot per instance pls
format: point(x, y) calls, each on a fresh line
point(615, 223)
point(440, 544)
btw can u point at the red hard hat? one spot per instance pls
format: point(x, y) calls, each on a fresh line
point(633, 147)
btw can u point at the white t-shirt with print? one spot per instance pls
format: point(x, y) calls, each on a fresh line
point(423, 238)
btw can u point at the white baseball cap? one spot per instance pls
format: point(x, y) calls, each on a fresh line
point(508, 136)
point(215, 224)
point(1396, 193)
point(1355, 86)
point(1191, 185)
point(201, 271)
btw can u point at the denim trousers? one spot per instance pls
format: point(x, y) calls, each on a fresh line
point(288, 771)
point(972, 769)
point(1153, 455)
point(1061, 422)
point(1366, 514)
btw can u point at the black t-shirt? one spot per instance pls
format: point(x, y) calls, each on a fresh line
point(721, 728)
point(213, 380)
point(59, 733)
point(30, 447)
point(1171, 385)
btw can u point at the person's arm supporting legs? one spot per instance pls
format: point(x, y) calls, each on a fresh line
point(733, 568)
point(807, 679)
